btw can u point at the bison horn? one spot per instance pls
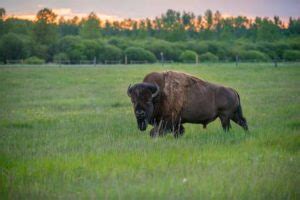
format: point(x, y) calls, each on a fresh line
point(156, 91)
point(129, 90)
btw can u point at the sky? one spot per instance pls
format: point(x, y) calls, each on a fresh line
point(140, 9)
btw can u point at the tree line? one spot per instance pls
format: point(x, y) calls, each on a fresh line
point(176, 36)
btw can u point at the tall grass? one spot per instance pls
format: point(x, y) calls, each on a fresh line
point(70, 133)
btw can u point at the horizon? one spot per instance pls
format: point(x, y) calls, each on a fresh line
point(116, 11)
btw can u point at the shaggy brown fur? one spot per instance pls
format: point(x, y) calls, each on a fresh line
point(182, 98)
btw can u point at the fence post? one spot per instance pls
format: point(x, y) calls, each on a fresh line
point(236, 60)
point(162, 58)
point(197, 59)
point(125, 59)
point(95, 61)
point(275, 62)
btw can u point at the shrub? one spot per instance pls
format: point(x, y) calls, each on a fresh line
point(253, 55)
point(34, 60)
point(60, 57)
point(109, 52)
point(208, 57)
point(168, 49)
point(119, 42)
point(198, 47)
point(139, 54)
point(40, 51)
point(73, 47)
point(291, 55)
point(91, 48)
point(280, 48)
point(217, 48)
point(188, 56)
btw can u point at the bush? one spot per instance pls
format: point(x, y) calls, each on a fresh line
point(169, 50)
point(188, 56)
point(139, 54)
point(34, 60)
point(217, 48)
point(91, 48)
point(208, 57)
point(119, 42)
point(291, 55)
point(60, 57)
point(40, 51)
point(109, 52)
point(73, 47)
point(253, 56)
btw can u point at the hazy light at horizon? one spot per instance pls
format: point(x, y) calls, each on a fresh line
point(137, 9)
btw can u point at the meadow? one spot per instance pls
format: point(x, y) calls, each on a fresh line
point(70, 133)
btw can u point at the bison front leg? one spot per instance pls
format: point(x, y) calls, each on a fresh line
point(157, 130)
point(179, 131)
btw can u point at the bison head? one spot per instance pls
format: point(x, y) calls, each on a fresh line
point(142, 95)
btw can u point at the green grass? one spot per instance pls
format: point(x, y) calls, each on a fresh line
point(70, 133)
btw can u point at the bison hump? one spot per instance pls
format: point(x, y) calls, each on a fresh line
point(175, 90)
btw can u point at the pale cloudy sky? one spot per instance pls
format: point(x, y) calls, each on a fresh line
point(118, 9)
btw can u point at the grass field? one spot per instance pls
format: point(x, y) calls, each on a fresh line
point(70, 133)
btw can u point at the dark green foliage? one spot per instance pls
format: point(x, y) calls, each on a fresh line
point(171, 34)
point(188, 56)
point(91, 48)
point(11, 47)
point(210, 57)
point(45, 29)
point(60, 57)
point(90, 28)
point(291, 55)
point(110, 53)
point(253, 55)
point(168, 49)
point(119, 42)
point(34, 60)
point(139, 54)
point(73, 47)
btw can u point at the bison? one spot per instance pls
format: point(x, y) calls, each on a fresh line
point(168, 100)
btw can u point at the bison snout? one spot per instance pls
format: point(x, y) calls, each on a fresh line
point(140, 114)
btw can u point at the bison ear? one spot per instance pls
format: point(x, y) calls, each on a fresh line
point(154, 89)
point(129, 90)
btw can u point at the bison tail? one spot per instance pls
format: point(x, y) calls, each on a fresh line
point(238, 116)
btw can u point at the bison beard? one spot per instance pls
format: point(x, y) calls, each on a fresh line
point(142, 124)
point(168, 100)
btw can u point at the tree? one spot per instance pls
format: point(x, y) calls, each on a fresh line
point(45, 30)
point(90, 28)
point(68, 27)
point(46, 15)
point(2, 13)
point(209, 19)
point(11, 47)
point(294, 26)
point(73, 47)
point(217, 22)
point(267, 30)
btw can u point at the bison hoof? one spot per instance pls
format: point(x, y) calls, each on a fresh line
point(179, 133)
point(153, 133)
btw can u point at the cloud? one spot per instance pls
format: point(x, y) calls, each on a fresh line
point(63, 11)
point(68, 13)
